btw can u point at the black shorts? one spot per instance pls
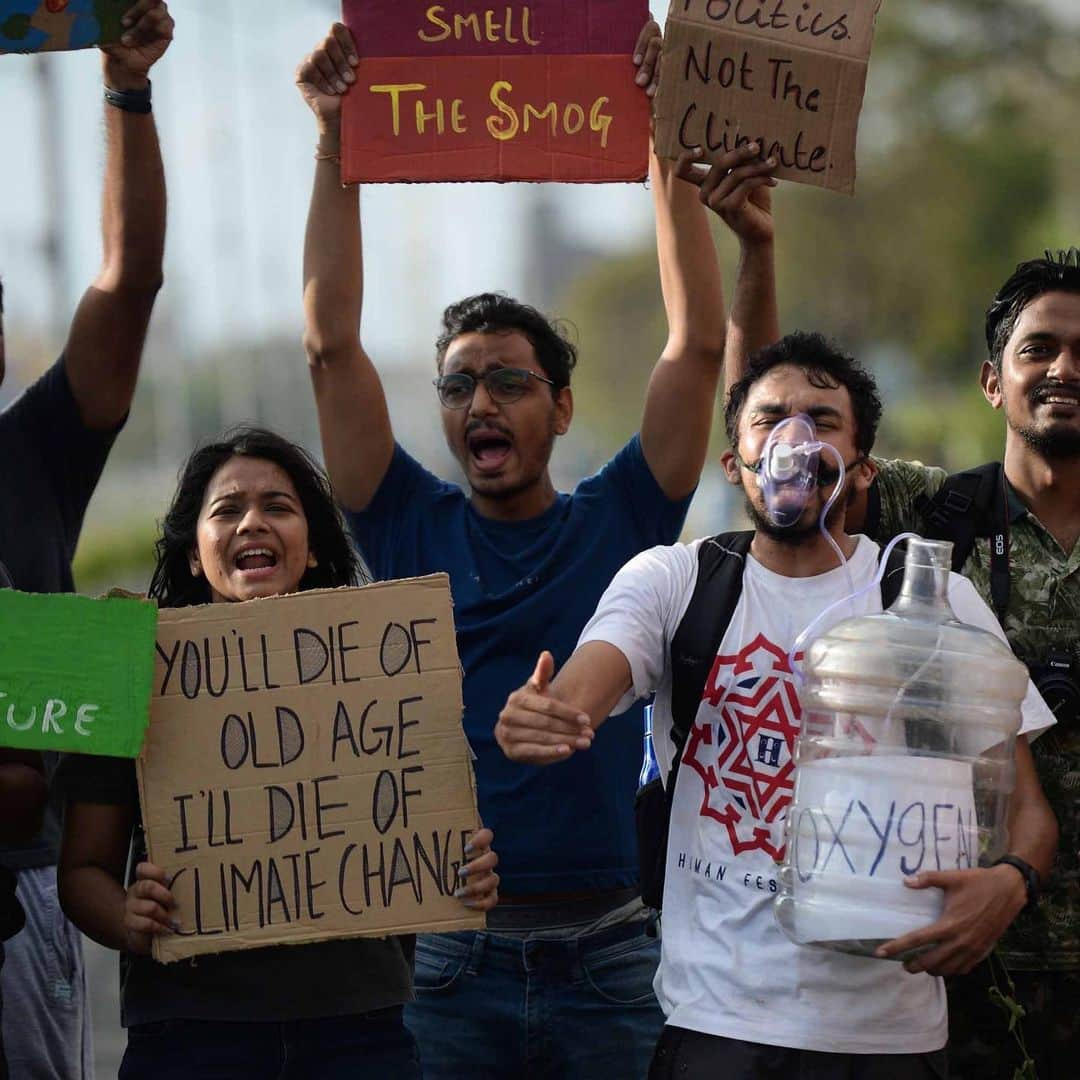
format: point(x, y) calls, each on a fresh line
point(690, 1055)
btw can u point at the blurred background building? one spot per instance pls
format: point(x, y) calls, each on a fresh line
point(968, 162)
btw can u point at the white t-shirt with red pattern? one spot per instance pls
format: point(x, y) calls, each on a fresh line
point(726, 967)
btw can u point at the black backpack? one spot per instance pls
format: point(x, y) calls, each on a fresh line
point(721, 561)
point(969, 505)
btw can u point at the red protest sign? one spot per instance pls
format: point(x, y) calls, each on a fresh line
point(543, 91)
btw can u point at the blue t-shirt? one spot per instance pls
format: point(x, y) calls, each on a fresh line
point(520, 587)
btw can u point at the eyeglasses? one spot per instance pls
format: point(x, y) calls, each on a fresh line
point(504, 385)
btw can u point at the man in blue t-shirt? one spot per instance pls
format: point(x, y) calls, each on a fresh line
point(54, 440)
point(561, 982)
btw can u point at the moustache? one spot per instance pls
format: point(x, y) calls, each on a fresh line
point(487, 425)
point(1053, 389)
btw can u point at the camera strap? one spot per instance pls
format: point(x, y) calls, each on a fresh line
point(1000, 583)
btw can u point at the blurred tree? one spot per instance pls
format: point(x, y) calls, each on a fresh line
point(967, 158)
point(616, 308)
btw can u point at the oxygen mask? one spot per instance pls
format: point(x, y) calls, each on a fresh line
point(788, 469)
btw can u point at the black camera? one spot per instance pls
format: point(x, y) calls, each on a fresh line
point(1058, 680)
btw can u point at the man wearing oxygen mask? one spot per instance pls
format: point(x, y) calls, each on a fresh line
point(1014, 525)
point(733, 987)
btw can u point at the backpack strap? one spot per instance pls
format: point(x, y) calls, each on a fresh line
point(721, 561)
point(893, 577)
point(694, 645)
point(972, 505)
point(872, 518)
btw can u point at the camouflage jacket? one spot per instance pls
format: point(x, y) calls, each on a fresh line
point(1043, 614)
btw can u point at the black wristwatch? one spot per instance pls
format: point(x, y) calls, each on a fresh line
point(1029, 874)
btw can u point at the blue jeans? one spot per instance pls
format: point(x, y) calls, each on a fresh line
point(490, 1007)
point(375, 1044)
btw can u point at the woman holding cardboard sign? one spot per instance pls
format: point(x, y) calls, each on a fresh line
point(252, 517)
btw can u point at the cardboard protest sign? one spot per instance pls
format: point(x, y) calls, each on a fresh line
point(51, 25)
point(75, 673)
point(788, 75)
point(467, 91)
point(305, 774)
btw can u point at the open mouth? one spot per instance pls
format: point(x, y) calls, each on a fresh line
point(1057, 396)
point(488, 449)
point(257, 561)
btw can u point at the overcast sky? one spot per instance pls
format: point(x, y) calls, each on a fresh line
point(238, 145)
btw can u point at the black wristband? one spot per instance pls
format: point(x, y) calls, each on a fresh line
point(136, 101)
point(1028, 873)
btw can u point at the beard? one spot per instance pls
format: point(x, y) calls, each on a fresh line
point(801, 531)
point(1054, 440)
point(793, 535)
point(1058, 443)
point(531, 473)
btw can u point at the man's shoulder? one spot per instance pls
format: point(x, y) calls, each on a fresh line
point(627, 476)
point(678, 556)
point(667, 569)
point(627, 459)
point(408, 488)
point(902, 490)
point(903, 477)
point(34, 409)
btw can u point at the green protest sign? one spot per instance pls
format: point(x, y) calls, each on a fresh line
point(75, 673)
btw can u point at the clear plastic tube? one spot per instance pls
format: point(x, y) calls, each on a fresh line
point(825, 515)
point(853, 595)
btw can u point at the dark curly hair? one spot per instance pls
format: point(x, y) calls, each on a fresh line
point(495, 313)
point(1028, 282)
point(173, 585)
point(825, 366)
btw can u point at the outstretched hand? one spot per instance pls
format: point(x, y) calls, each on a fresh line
point(327, 74)
point(737, 188)
point(979, 905)
point(147, 33)
point(536, 727)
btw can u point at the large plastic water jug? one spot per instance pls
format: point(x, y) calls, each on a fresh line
point(904, 762)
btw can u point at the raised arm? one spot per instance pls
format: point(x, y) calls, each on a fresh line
point(682, 391)
point(742, 199)
point(755, 318)
point(106, 339)
point(679, 404)
point(357, 439)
